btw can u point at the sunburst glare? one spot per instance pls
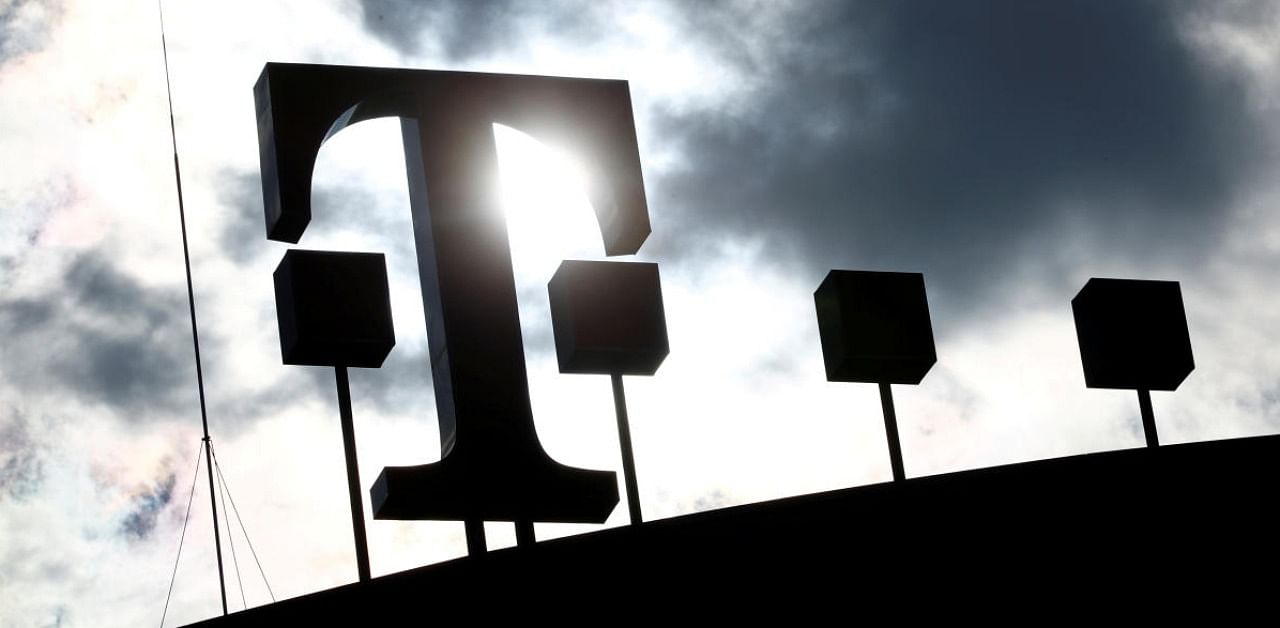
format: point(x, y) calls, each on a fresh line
point(543, 193)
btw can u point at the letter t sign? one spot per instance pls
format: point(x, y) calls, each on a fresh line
point(492, 466)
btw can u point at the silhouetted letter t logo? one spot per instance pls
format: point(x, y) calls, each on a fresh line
point(492, 468)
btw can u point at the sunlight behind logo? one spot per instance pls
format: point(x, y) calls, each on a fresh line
point(492, 467)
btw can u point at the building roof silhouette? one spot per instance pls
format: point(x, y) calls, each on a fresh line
point(1081, 529)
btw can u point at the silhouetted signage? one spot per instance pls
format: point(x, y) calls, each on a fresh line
point(492, 468)
point(875, 328)
point(608, 317)
point(334, 308)
point(1133, 334)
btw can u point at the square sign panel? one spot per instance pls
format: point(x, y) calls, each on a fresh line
point(1133, 334)
point(334, 308)
point(875, 327)
point(608, 317)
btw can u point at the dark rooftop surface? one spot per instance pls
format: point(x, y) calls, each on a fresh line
point(1150, 529)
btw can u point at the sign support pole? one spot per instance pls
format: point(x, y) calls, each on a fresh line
point(891, 432)
point(476, 545)
point(353, 473)
point(1148, 417)
point(628, 459)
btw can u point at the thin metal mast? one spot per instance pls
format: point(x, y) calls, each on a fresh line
point(191, 306)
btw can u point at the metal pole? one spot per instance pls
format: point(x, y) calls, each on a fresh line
point(191, 307)
point(1148, 418)
point(353, 473)
point(624, 440)
point(524, 534)
point(476, 545)
point(891, 432)
point(213, 503)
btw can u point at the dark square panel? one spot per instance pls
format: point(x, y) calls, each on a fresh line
point(875, 327)
point(608, 317)
point(334, 308)
point(1133, 334)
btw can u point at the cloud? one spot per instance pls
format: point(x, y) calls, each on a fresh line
point(713, 500)
point(243, 234)
point(962, 140)
point(26, 25)
point(140, 522)
point(464, 30)
point(101, 337)
point(22, 460)
point(336, 207)
point(990, 146)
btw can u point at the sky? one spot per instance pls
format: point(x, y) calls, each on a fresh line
point(1008, 151)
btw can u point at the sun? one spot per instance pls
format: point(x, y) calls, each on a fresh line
point(543, 193)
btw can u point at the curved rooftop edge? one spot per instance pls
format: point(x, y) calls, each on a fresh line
point(1181, 520)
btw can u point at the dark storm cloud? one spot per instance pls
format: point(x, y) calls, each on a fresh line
point(957, 138)
point(102, 337)
point(476, 27)
point(147, 506)
point(969, 141)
